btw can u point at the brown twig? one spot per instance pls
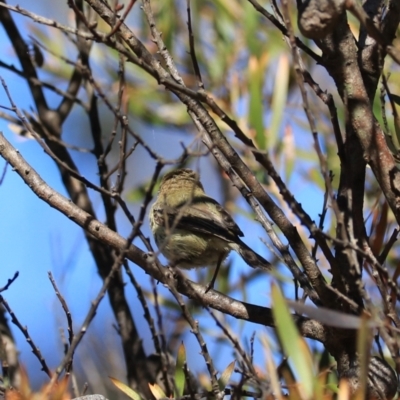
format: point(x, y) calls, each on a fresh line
point(67, 312)
point(192, 49)
point(122, 19)
point(10, 281)
point(31, 343)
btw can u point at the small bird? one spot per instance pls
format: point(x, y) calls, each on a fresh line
point(193, 230)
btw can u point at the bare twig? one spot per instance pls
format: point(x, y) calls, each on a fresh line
point(67, 314)
point(10, 281)
point(192, 49)
point(31, 343)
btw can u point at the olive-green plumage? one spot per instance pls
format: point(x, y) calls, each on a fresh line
point(192, 229)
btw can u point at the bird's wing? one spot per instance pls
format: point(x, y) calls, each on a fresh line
point(203, 215)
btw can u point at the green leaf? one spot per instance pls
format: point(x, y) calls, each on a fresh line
point(251, 24)
point(179, 373)
point(333, 387)
point(226, 376)
point(255, 113)
point(293, 344)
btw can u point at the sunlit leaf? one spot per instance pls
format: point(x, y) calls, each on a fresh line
point(344, 390)
point(255, 112)
point(157, 392)
point(226, 376)
point(289, 151)
point(271, 368)
point(364, 341)
point(125, 389)
point(279, 98)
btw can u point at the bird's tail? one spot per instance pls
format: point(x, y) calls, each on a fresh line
point(252, 258)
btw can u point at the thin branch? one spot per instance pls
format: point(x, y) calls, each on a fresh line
point(93, 309)
point(284, 31)
point(122, 19)
point(385, 252)
point(10, 281)
point(192, 49)
point(67, 312)
point(31, 343)
point(160, 349)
